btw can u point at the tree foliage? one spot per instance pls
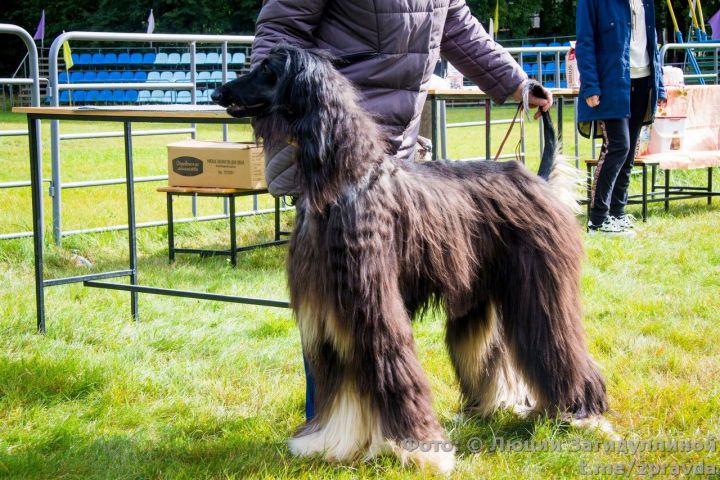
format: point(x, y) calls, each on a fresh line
point(557, 18)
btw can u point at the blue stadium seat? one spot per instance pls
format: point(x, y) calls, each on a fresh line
point(143, 96)
point(200, 58)
point(184, 97)
point(161, 58)
point(566, 43)
point(549, 67)
point(541, 44)
point(75, 58)
point(62, 77)
point(110, 59)
point(563, 84)
point(64, 96)
point(148, 58)
point(554, 44)
point(78, 96)
point(140, 76)
point(92, 96)
point(185, 59)
point(200, 96)
point(118, 96)
point(157, 96)
point(166, 77)
point(173, 59)
point(131, 95)
point(179, 76)
point(128, 76)
point(115, 77)
point(550, 84)
point(212, 58)
point(527, 67)
point(153, 76)
point(98, 59)
point(90, 76)
point(76, 77)
point(203, 77)
point(169, 96)
point(103, 76)
point(238, 58)
point(216, 76)
point(136, 58)
point(105, 96)
point(84, 59)
point(123, 58)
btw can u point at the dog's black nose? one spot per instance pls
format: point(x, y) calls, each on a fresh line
point(216, 95)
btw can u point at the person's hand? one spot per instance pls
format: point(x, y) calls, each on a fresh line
point(543, 104)
point(662, 102)
point(593, 101)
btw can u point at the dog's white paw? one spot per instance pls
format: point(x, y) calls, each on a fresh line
point(596, 423)
point(436, 460)
point(307, 445)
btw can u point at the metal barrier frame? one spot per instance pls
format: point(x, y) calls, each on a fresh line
point(692, 46)
point(34, 82)
point(55, 88)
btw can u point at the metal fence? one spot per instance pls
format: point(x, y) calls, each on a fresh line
point(55, 89)
point(34, 81)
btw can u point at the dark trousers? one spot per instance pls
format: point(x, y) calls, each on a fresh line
point(612, 174)
point(309, 392)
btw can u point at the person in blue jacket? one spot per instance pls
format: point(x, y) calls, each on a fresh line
point(620, 87)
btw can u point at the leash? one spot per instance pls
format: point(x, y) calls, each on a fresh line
point(507, 134)
point(550, 138)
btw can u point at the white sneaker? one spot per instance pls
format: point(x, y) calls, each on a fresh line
point(625, 221)
point(609, 227)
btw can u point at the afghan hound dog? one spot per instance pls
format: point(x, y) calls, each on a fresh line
point(378, 240)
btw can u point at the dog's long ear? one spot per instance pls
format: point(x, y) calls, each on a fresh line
point(311, 94)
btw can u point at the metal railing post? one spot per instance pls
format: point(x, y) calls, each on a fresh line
point(34, 82)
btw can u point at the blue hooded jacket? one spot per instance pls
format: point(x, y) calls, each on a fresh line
point(603, 29)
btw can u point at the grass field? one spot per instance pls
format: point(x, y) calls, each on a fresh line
point(212, 390)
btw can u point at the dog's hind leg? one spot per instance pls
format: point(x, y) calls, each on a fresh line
point(480, 358)
point(539, 308)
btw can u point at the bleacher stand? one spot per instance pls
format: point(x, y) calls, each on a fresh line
point(140, 66)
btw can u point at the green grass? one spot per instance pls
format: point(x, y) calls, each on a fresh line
point(212, 390)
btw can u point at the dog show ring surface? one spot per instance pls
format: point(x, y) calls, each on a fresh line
point(126, 116)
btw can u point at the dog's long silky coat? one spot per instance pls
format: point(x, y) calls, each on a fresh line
point(377, 240)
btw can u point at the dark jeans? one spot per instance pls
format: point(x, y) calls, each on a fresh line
point(612, 174)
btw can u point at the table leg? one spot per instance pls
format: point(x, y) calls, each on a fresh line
point(277, 218)
point(171, 228)
point(233, 238)
point(644, 192)
point(667, 190)
point(488, 113)
point(132, 240)
point(435, 128)
point(559, 102)
point(709, 185)
point(37, 207)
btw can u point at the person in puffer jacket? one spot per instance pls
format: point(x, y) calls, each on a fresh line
point(389, 50)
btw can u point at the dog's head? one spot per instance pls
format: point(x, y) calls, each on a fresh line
point(275, 85)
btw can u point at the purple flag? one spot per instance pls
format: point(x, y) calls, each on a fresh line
point(715, 24)
point(40, 32)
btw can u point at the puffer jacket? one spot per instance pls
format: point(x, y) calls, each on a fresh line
point(390, 50)
point(603, 30)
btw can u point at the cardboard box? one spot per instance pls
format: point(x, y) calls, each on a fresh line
point(194, 163)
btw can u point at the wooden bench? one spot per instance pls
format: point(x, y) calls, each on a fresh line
point(230, 194)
